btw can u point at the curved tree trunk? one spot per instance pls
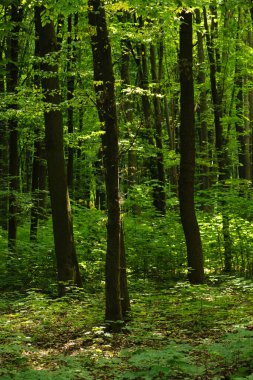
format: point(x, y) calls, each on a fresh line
point(187, 149)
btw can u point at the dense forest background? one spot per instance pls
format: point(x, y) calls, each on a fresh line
point(126, 164)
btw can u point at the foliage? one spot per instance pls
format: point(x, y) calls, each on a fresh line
point(179, 332)
point(173, 360)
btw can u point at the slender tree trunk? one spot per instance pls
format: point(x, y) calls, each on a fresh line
point(240, 123)
point(11, 84)
point(3, 151)
point(161, 196)
point(187, 149)
point(125, 300)
point(202, 109)
point(220, 144)
point(106, 106)
point(100, 197)
point(67, 265)
point(127, 106)
point(250, 110)
point(70, 95)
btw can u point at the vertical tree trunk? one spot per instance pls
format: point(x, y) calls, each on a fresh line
point(202, 109)
point(161, 197)
point(67, 265)
point(127, 106)
point(3, 151)
point(106, 106)
point(125, 301)
point(242, 133)
point(220, 144)
point(38, 166)
point(187, 149)
point(11, 84)
point(250, 110)
point(70, 94)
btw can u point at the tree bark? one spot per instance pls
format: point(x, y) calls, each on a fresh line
point(4, 156)
point(11, 84)
point(220, 144)
point(160, 188)
point(187, 149)
point(67, 265)
point(202, 110)
point(127, 106)
point(70, 95)
point(106, 105)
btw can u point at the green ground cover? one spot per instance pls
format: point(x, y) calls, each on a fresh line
point(178, 332)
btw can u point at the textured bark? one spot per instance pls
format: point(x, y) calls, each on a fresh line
point(106, 105)
point(11, 84)
point(67, 266)
point(187, 149)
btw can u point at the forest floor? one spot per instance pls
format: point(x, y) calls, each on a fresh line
point(182, 332)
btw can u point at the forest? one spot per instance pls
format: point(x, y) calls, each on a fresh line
point(126, 204)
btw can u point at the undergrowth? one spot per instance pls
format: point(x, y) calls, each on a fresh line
point(182, 332)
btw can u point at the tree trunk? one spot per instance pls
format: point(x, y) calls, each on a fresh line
point(202, 111)
point(187, 149)
point(220, 144)
point(3, 152)
point(67, 265)
point(161, 196)
point(125, 301)
point(70, 94)
point(11, 84)
point(127, 106)
point(106, 105)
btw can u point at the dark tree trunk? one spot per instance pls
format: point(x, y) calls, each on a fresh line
point(106, 106)
point(242, 132)
point(11, 84)
point(3, 152)
point(38, 167)
point(70, 94)
point(250, 113)
point(161, 196)
point(187, 149)
point(100, 196)
point(38, 209)
point(202, 110)
point(67, 265)
point(127, 106)
point(220, 144)
point(125, 301)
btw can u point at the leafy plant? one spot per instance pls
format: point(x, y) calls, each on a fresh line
point(171, 360)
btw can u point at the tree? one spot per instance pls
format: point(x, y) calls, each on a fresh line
point(104, 83)
point(67, 265)
point(12, 78)
point(187, 150)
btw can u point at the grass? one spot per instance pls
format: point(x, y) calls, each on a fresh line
point(180, 332)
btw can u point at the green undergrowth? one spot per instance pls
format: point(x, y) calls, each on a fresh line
point(180, 332)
